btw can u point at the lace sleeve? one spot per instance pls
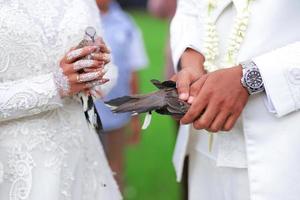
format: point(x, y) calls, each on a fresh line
point(28, 97)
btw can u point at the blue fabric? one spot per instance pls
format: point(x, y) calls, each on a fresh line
point(128, 53)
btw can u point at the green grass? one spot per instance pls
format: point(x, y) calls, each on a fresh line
point(149, 172)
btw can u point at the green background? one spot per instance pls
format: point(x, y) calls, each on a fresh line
point(149, 171)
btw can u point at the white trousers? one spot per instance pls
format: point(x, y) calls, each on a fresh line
point(209, 182)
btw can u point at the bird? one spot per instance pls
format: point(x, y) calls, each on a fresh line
point(164, 101)
point(87, 100)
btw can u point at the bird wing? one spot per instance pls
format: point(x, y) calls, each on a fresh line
point(137, 103)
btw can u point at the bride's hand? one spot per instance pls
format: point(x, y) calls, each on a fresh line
point(76, 74)
point(102, 54)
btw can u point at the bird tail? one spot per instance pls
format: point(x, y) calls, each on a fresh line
point(90, 112)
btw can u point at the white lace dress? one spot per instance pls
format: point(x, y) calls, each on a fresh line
point(47, 150)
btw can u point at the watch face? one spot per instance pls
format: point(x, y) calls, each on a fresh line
point(253, 79)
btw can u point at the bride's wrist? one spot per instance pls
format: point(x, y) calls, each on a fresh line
point(62, 82)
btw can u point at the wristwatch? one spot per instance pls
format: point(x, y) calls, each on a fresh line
point(252, 79)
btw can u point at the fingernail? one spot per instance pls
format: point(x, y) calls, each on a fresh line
point(181, 123)
point(191, 99)
point(183, 96)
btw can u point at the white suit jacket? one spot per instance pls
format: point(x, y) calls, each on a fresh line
point(271, 121)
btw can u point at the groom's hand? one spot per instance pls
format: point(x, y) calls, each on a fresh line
point(192, 69)
point(219, 99)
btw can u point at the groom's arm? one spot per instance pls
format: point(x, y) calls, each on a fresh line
point(186, 46)
point(220, 97)
point(186, 29)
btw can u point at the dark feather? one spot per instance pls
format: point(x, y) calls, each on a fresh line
point(163, 85)
point(135, 104)
point(99, 126)
point(90, 102)
point(165, 101)
point(119, 101)
point(169, 84)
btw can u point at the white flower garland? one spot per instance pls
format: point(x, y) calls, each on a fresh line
point(211, 39)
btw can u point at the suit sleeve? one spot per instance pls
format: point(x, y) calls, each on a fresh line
point(280, 70)
point(186, 29)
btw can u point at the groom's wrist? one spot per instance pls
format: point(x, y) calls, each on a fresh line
point(192, 58)
point(251, 78)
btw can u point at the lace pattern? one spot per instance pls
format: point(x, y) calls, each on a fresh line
point(20, 165)
point(42, 135)
point(61, 82)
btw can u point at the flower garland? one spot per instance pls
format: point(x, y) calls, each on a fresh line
point(211, 39)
